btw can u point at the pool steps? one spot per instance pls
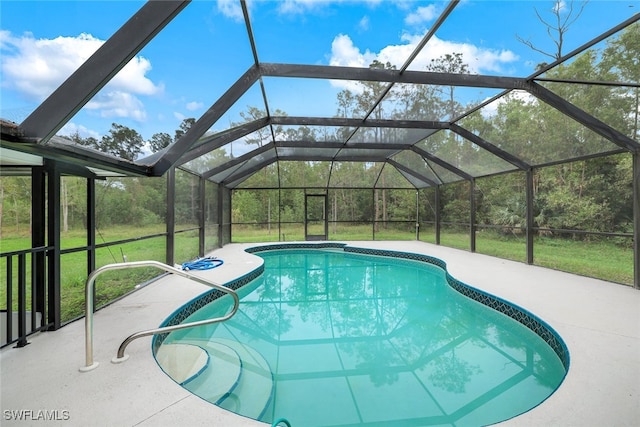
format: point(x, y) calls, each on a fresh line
point(233, 370)
point(221, 375)
point(182, 362)
point(256, 383)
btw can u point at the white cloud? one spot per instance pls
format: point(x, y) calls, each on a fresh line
point(132, 78)
point(231, 9)
point(559, 6)
point(364, 23)
point(480, 60)
point(179, 116)
point(491, 109)
point(118, 104)
point(72, 128)
point(345, 53)
point(298, 6)
point(36, 67)
point(192, 106)
point(422, 14)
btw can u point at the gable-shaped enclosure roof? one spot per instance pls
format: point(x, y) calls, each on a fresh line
point(425, 119)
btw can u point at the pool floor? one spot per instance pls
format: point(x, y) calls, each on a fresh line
point(326, 338)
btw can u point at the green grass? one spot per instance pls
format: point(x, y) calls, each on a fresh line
point(109, 285)
point(602, 260)
point(606, 260)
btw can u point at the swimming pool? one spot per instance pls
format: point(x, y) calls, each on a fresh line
point(345, 336)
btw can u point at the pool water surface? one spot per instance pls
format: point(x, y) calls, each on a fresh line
point(329, 338)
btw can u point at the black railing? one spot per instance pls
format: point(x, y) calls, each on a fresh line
point(25, 313)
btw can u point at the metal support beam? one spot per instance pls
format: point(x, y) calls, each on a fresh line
point(355, 122)
point(417, 214)
point(336, 145)
point(412, 172)
point(565, 58)
point(438, 218)
point(220, 214)
point(96, 71)
point(204, 123)
point(437, 160)
point(241, 176)
point(416, 51)
point(279, 214)
point(373, 205)
point(472, 214)
point(171, 216)
point(582, 117)
point(22, 301)
point(91, 224)
point(39, 239)
point(390, 76)
point(227, 196)
point(237, 161)
point(207, 144)
point(53, 240)
point(78, 158)
point(201, 215)
point(636, 219)
point(91, 229)
point(489, 147)
point(529, 214)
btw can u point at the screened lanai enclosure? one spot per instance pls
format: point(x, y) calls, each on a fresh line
point(505, 128)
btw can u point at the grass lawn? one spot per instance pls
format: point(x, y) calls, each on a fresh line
point(601, 259)
point(109, 285)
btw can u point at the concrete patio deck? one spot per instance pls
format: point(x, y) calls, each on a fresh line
point(598, 320)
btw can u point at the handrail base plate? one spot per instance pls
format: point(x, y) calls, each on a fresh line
point(88, 368)
point(117, 359)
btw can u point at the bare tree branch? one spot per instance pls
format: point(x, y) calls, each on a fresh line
point(564, 19)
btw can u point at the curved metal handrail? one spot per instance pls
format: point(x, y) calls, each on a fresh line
point(88, 320)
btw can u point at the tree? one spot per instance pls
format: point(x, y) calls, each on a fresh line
point(450, 63)
point(15, 201)
point(263, 135)
point(184, 128)
point(122, 142)
point(87, 142)
point(622, 58)
point(159, 141)
point(345, 103)
point(371, 91)
point(563, 16)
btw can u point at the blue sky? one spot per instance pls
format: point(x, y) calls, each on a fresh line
point(205, 49)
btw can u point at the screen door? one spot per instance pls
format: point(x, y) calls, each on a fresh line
point(315, 214)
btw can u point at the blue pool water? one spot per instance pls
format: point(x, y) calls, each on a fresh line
point(329, 338)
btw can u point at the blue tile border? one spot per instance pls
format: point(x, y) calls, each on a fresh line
point(526, 318)
point(302, 245)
